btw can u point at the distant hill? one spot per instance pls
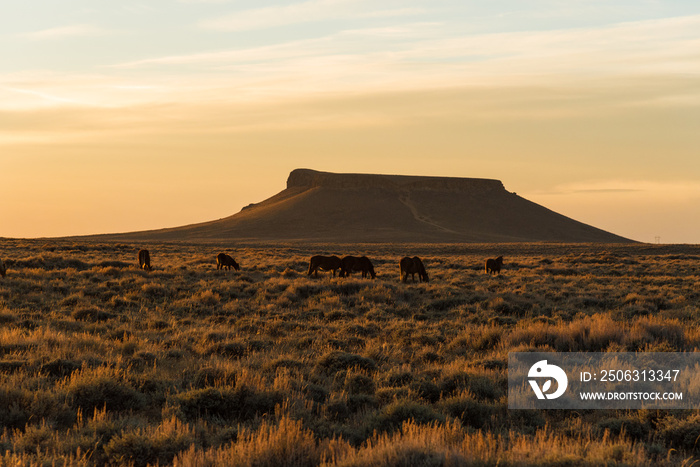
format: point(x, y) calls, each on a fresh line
point(329, 207)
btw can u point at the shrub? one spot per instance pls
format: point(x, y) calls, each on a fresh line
point(209, 376)
point(225, 405)
point(12, 366)
point(446, 303)
point(630, 426)
point(682, 434)
point(206, 298)
point(35, 438)
point(359, 384)
point(653, 330)
point(413, 444)
point(393, 415)
point(149, 446)
point(429, 356)
point(91, 314)
point(285, 363)
point(426, 390)
point(389, 395)
point(590, 334)
point(16, 408)
point(337, 361)
point(469, 411)
point(338, 410)
point(357, 402)
point(284, 442)
point(154, 290)
point(399, 378)
point(59, 368)
point(228, 349)
point(481, 386)
point(7, 318)
point(89, 392)
point(316, 392)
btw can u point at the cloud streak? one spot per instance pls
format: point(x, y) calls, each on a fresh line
point(659, 45)
point(63, 32)
point(413, 57)
point(422, 56)
point(635, 189)
point(298, 13)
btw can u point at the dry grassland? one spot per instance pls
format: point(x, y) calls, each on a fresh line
point(105, 364)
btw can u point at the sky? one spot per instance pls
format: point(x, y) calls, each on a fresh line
point(133, 115)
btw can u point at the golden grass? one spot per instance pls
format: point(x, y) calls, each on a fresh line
point(106, 364)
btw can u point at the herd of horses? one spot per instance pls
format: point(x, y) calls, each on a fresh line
point(407, 265)
point(345, 266)
point(222, 261)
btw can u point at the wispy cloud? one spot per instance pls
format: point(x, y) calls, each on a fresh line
point(46, 90)
point(676, 189)
point(305, 12)
point(138, 8)
point(356, 42)
point(420, 57)
point(77, 30)
point(432, 55)
point(44, 96)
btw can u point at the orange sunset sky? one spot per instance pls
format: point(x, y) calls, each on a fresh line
point(123, 116)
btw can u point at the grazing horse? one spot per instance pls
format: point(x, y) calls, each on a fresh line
point(493, 266)
point(354, 264)
point(325, 263)
point(412, 266)
point(225, 261)
point(3, 269)
point(144, 260)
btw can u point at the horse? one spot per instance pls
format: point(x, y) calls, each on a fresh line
point(354, 264)
point(325, 263)
point(3, 268)
point(493, 266)
point(412, 266)
point(144, 260)
point(225, 261)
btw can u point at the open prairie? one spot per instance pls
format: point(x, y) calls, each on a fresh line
point(103, 363)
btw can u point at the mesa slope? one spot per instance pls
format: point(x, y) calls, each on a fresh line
point(323, 206)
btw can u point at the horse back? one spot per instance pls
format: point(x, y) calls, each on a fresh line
point(144, 259)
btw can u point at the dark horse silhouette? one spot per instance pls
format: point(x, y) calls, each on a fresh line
point(144, 260)
point(352, 264)
point(493, 266)
point(225, 261)
point(325, 263)
point(3, 269)
point(412, 266)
